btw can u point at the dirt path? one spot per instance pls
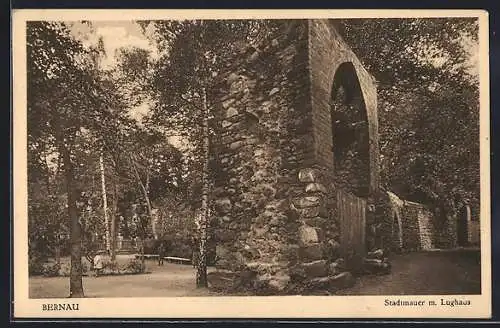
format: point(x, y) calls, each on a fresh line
point(163, 281)
point(425, 273)
point(452, 272)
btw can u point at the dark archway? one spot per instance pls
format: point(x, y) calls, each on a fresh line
point(350, 132)
point(351, 162)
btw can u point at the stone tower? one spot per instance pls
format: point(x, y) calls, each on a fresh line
point(296, 136)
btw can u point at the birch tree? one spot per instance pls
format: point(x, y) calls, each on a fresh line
point(193, 54)
point(61, 83)
point(71, 106)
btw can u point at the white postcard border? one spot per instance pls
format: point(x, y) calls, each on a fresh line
point(234, 307)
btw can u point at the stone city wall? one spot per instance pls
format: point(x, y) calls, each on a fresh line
point(276, 225)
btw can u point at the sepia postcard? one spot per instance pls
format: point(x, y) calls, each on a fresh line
point(251, 164)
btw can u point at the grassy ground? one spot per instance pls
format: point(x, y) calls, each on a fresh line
point(452, 272)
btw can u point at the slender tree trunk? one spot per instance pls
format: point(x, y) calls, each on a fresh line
point(201, 272)
point(145, 193)
point(143, 260)
point(104, 202)
point(113, 222)
point(75, 279)
point(47, 178)
point(150, 207)
point(57, 248)
point(58, 254)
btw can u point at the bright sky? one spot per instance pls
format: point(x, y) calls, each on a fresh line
point(115, 35)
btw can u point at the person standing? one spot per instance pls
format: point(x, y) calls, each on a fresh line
point(98, 264)
point(161, 252)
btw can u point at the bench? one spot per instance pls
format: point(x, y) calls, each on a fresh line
point(147, 256)
point(179, 260)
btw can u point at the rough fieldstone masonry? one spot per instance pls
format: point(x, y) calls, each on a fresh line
point(410, 226)
point(418, 230)
point(281, 104)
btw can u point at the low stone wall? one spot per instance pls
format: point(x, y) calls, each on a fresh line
point(474, 230)
point(418, 230)
point(420, 227)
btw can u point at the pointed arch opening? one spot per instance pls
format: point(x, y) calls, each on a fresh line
point(350, 132)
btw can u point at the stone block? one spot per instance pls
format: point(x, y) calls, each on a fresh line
point(250, 253)
point(221, 251)
point(315, 269)
point(324, 211)
point(316, 187)
point(274, 222)
point(224, 235)
point(227, 103)
point(342, 280)
point(340, 262)
point(310, 252)
point(376, 266)
point(226, 124)
point(260, 232)
point(223, 205)
point(233, 77)
point(246, 277)
point(333, 283)
point(308, 212)
point(274, 91)
point(319, 283)
point(308, 235)
point(279, 282)
point(334, 268)
point(333, 247)
point(308, 201)
point(377, 254)
point(235, 145)
point(225, 219)
point(317, 221)
point(254, 56)
point(231, 111)
point(308, 175)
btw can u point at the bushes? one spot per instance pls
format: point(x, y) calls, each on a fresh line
point(35, 266)
point(65, 270)
point(134, 266)
point(182, 245)
point(52, 269)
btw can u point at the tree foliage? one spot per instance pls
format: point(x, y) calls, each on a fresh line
point(79, 112)
point(428, 103)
